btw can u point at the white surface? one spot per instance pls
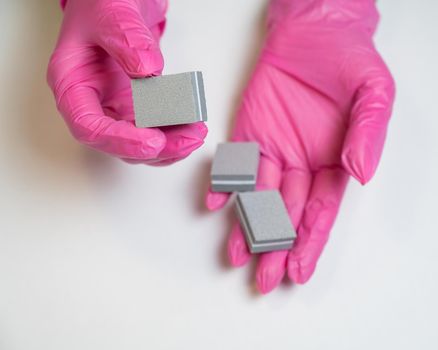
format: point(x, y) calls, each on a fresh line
point(97, 254)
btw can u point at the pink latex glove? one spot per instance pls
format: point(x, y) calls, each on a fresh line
point(318, 104)
point(102, 43)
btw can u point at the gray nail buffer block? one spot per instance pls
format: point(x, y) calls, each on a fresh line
point(235, 166)
point(169, 100)
point(265, 221)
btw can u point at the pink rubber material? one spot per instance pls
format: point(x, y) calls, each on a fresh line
point(101, 45)
point(318, 103)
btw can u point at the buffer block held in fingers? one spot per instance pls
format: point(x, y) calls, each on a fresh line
point(169, 100)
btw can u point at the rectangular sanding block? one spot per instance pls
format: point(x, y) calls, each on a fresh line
point(235, 166)
point(169, 100)
point(265, 221)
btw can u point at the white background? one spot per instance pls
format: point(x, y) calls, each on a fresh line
point(98, 254)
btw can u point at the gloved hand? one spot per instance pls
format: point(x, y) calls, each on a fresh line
point(318, 104)
point(102, 43)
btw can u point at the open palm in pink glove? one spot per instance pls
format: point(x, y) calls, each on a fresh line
point(101, 45)
point(318, 104)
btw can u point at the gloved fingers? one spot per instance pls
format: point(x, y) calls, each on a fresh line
point(238, 252)
point(83, 114)
point(318, 218)
point(182, 140)
point(369, 119)
point(295, 188)
point(123, 33)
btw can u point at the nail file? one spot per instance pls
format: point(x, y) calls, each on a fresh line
point(265, 221)
point(169, 100)
point(235, 166)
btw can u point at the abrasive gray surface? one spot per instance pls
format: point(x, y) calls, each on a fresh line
point(169, 100)
point(265, 221)
point(236, 161)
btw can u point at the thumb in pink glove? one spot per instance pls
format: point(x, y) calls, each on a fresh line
point(318, 104)
point(101, 45)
